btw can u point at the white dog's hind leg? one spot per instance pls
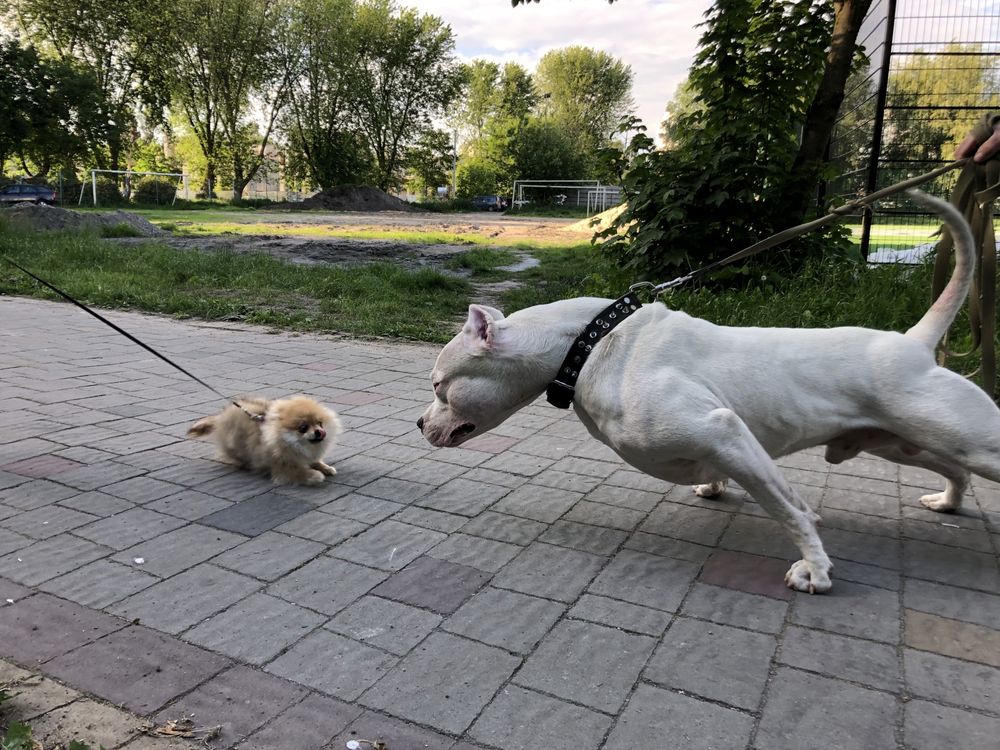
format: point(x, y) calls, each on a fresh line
point(710, 490)
point(736, 453)
point(956, 478)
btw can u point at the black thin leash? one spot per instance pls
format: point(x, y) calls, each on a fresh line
point(130, 337)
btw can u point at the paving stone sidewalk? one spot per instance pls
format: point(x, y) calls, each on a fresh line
point(528, 590)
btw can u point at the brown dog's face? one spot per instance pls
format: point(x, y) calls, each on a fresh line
point(304, 421)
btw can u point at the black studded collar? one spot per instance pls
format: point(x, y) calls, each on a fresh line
point(560, 391)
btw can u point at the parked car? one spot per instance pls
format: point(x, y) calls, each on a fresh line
point(489, 203)
point(24, 193)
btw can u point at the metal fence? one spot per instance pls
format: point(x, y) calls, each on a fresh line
point(931, 71)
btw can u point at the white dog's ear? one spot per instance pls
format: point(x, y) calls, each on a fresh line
point(480, 328)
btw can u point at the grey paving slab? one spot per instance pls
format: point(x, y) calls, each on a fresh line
point(47, 521)
point(238, 701)
point(137, 668)
point(170, 553)
point(433, 584)
point(928, 726)
point(622, 615)
point(362, 508)
point(269, 556)
point(518, 719)
point(85, 721)
point(475, 552)
point(444, 683)
point(326, 585)
point(586, 663)
point(393, 733)
point(852, 609)
point(333, 664)
point(736, 608)
point(49, 558)
point(819, 705)
point(538, 503)
point(644, 579)
point(42, 627)
point(670, 721)
point(865, 662)
point(258, 514)
point(99, 584)
point(959, 567)
point(463, 497)
point(389, 625)
point(177, 603)
point(308, 725)
point(188, 504)
point(97, 503)
point(389, 545)
point(322, 527)
point(35, 494)
point(504, 528)
point(256, 629)
point(513, 621)
point(129, 528)
point(713, 661)
point(549, 571)
point(596, 539)
point(948, 680)
point(949, 601)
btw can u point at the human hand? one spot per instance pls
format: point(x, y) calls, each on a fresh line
point(983, 142)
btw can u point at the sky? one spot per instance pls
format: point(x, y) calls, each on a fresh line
point(657, 38)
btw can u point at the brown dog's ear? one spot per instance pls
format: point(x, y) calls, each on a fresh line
point(480, 328)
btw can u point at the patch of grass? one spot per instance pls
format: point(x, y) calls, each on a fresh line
point(119, 230)
point(370, 300)
point(168, 226)
point(17, 737)
point(482, 262)
point(457, 205)
point(833, 292)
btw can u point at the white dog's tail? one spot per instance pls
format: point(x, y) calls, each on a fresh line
point(938, 319)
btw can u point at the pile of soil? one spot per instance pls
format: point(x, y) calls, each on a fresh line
point(351, 198)
point(44, 217)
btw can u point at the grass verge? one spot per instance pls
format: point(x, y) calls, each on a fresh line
point(371, 300)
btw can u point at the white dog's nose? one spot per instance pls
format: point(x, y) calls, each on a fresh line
point(420, 424)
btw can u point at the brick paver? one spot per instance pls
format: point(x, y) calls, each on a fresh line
point(525, 590)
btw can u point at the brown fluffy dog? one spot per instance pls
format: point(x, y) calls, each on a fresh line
point(288, 442)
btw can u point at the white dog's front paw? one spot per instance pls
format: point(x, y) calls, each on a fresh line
point(713, 489)
point(808, 577)
point(314, 477)
point(942, 502)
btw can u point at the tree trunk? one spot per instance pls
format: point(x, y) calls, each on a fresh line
point(209, 186)
point(822, 113)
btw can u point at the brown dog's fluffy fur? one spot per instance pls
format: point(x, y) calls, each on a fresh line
point(288, 444)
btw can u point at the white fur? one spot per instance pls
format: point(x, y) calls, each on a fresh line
point(691, 402)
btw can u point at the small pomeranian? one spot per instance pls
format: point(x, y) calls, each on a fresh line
point(285, 438)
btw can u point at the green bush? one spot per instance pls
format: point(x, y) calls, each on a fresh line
point(154, 190)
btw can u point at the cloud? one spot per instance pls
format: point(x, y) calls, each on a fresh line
point(658, 38)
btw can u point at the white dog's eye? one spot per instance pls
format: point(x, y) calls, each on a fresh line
point(303, 428)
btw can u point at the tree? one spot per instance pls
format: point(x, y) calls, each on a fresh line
point(49, 109)
point(324, 137)
point(544, 151)
point(113, 42)
point(222, 53)
point(479, 97)
point(720, 188)
point(409, 74)
point(586, 92)
point(429, 160)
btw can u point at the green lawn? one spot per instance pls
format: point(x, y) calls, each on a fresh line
point(379, 299)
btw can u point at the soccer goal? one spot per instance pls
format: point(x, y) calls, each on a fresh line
point(179, 178)
point(590, 193)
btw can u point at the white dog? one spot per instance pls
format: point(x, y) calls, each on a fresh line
point(691, 402)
